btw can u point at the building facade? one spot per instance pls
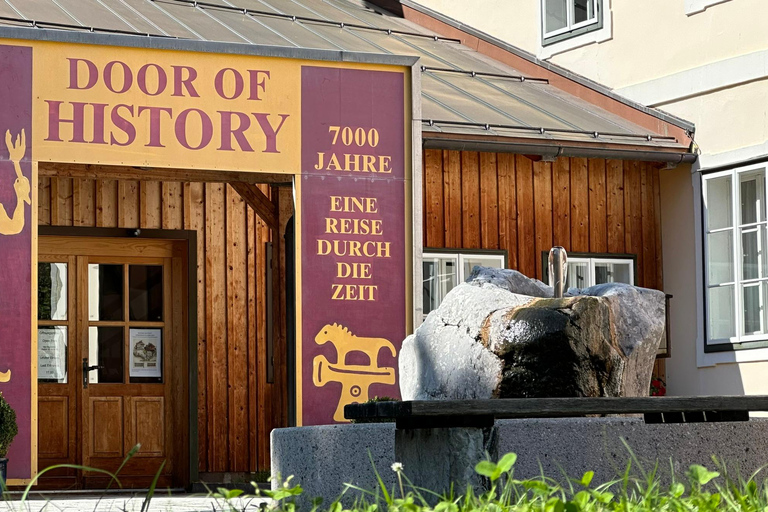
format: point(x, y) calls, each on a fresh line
point(227, 217)
point(709, 67)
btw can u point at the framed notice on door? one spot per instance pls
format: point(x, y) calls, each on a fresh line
point(146, 348)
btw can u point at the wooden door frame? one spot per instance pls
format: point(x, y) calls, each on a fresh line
point(190, 237)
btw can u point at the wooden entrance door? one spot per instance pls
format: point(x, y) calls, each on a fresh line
point(112, 360)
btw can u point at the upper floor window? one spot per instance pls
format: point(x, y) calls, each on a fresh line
point(566, 18)
point(735, 244)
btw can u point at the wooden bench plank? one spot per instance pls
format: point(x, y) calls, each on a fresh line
point(551, 407)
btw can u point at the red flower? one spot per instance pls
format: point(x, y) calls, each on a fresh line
point(658, 387)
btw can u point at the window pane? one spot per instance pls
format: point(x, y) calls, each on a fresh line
point(753, 252)
point(753, 303)
point(51, 291)
point(145, 293)
point(578, 275)
point(752, 197)
point(555, 16)
point(720, 262)
point(439, 278)
point(612, 273)
point(105, 292)
point(721, 313)
point(105, 350)
point(52, 354)
point(470, 262)
point(718, 204)
point(583, 10)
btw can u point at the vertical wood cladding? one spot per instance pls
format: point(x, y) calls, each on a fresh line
point(504, 201)
point(237, 408)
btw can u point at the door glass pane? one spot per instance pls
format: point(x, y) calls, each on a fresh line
point(606, 272)
point(51, 291)
point(555, 15)
point(145, 293)
point(578, 275)
point(439, 278)
point(105, 292)
point(470, 262)
point(752, 194)
point(753, 304)
point(106, 350)
point(52, 354)
point(720, 257)
point(583, 10)
point(721, 313)
point(718, 203)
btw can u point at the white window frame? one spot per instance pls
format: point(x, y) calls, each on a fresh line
point(570, 14)
point(736, 281)
point(592, 261)
point(460, 257)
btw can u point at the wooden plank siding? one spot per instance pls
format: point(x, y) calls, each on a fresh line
point(505, 201)
point(235, 414)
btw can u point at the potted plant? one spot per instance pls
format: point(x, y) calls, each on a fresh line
point(8, 430)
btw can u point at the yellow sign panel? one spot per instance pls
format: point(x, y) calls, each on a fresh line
point(158, 108)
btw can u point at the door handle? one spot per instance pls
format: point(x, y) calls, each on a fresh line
point(87, 369)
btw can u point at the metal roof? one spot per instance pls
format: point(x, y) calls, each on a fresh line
point(463, 92)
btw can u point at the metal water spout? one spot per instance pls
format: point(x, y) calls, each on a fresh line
point(558, 270)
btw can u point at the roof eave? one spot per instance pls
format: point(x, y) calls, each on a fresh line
point(552, 148)
point(171, 43)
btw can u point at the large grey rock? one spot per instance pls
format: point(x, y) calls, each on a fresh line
point(502, 335)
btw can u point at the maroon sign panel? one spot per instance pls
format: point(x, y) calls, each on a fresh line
point(353, 238)
point(16, 248)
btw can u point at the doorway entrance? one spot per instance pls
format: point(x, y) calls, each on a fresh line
point(112, 355)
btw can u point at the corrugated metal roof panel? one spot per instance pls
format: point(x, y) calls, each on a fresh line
point(134, 18)
point(347, 39)
point(196, 20)
point(7, 11)
point(460, 96)
point(258, 29)
point(159, 17)
point(41, 10)
point(91, 13)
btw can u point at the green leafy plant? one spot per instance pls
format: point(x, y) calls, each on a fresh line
point(8, 426)
point(634, 490)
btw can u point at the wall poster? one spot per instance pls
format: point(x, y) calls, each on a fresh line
point(146, 347)
point(354, 186)
point(52, 354)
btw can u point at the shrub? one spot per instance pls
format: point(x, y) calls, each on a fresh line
point(8, 426)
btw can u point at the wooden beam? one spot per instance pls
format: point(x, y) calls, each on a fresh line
point(257, 200)
point(120, 172)
point(554, 407)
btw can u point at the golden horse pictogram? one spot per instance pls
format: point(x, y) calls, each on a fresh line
point(14, 224)
point(355, 379)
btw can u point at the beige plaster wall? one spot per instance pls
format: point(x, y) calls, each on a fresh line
point(649, 39)
point(728, 119)
point(505, 19)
